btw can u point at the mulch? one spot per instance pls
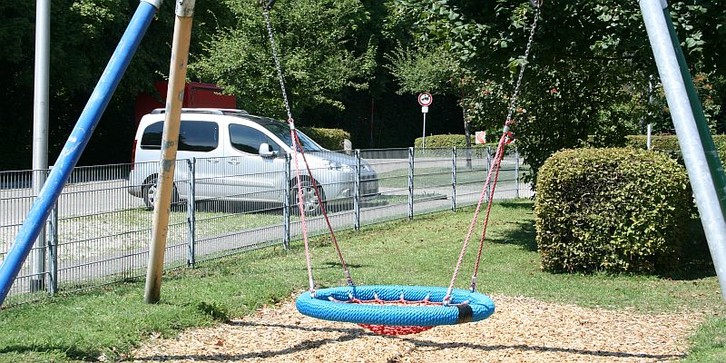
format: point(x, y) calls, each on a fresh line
point(521, 330)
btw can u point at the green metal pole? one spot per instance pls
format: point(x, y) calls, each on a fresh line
point(699, 153)
point(714, 163)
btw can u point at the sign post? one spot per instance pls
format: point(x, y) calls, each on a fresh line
point(424, 99)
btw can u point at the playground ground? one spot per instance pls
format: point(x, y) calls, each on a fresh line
point(521, 330)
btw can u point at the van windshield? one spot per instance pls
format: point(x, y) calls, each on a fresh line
point(282, 131)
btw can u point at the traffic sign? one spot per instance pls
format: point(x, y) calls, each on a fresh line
point(425, 99)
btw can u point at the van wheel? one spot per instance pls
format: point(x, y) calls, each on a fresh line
point(311, 205)
point(151, 187)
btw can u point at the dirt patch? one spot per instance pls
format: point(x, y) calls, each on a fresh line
point(521, 330)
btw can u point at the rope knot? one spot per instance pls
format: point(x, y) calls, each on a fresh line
point(508, 138)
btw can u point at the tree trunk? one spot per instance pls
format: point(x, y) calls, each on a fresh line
point(467, 135)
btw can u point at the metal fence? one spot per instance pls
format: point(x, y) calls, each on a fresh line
point(99, 233)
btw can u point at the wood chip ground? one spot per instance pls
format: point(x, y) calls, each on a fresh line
point(521, 330)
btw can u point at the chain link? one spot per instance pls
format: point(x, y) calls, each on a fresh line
point(518, 85)
point(278, 66)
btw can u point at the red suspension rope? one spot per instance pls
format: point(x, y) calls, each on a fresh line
point(297, 147)
point(493, 170)
point(296, 142)
point(496, 164)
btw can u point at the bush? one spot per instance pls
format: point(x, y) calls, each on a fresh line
point(331, 139)
point(612, 210)
point(669, 145)
point(441, 141)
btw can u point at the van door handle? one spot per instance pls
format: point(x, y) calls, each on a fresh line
point(213, 161)
point(234, 161)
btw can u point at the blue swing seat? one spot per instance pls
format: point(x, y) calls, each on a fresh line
point(395, 305)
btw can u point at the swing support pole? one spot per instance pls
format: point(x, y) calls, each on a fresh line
point(699, 152)
point(184, 12)
point(76, 143)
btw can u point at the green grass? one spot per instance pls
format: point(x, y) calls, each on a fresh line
point(110, 322)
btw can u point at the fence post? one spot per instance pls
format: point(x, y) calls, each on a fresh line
point(37, 279)
point(453, 178)
point(356, 191)
point(489, 166)
point(192, 213)
point(52, 230)
point(286, 204)
point(516, 172)
point(410, 182)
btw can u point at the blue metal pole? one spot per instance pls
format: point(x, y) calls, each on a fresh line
point(75, 144)
point(704, 169)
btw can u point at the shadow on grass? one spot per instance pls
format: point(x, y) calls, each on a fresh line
point(523, 233)
point(695, 258)
point(330, 264)
point(71, 352)
point(349, 334)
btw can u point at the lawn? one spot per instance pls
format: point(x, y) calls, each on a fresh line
point(110, 322)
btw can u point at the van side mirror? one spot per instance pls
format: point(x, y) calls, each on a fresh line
point(266, 150)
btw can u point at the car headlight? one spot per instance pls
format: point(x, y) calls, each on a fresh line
point(334, 165)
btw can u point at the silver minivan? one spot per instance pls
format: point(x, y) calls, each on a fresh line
point(241, 157)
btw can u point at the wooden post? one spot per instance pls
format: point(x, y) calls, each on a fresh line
point(170, 138)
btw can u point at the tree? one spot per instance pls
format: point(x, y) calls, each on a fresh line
point(84, 34)
point(319, 54)
point(458, 49)
point(588, 75)
point(16, 33)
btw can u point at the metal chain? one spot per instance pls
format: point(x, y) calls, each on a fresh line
point(297, 148)
point(518, 85)
point(278, 66)
point(492, 175)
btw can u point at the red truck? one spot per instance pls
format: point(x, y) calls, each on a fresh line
point(195, 95)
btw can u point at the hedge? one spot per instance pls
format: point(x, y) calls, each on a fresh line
point(611, 210)
point(442, 141)
point(669, 145)
point(331, 139)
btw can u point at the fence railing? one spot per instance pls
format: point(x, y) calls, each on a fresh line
point(100, 229)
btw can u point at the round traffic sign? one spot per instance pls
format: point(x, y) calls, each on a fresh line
point(425, 99)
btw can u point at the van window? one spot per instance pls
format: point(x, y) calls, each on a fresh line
point(282, 131)
point(193, 136)
point(248, 139)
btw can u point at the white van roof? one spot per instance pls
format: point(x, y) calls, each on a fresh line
point(209, 111)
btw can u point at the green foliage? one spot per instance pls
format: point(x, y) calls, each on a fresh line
point(83, 35)
point(590, 71)
point(669, 144)
point(427, 70)
point(441, 141)
point(614, 210)
point(331, 139)
point(465, 49)
point(215, 310)
point(319, 52)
